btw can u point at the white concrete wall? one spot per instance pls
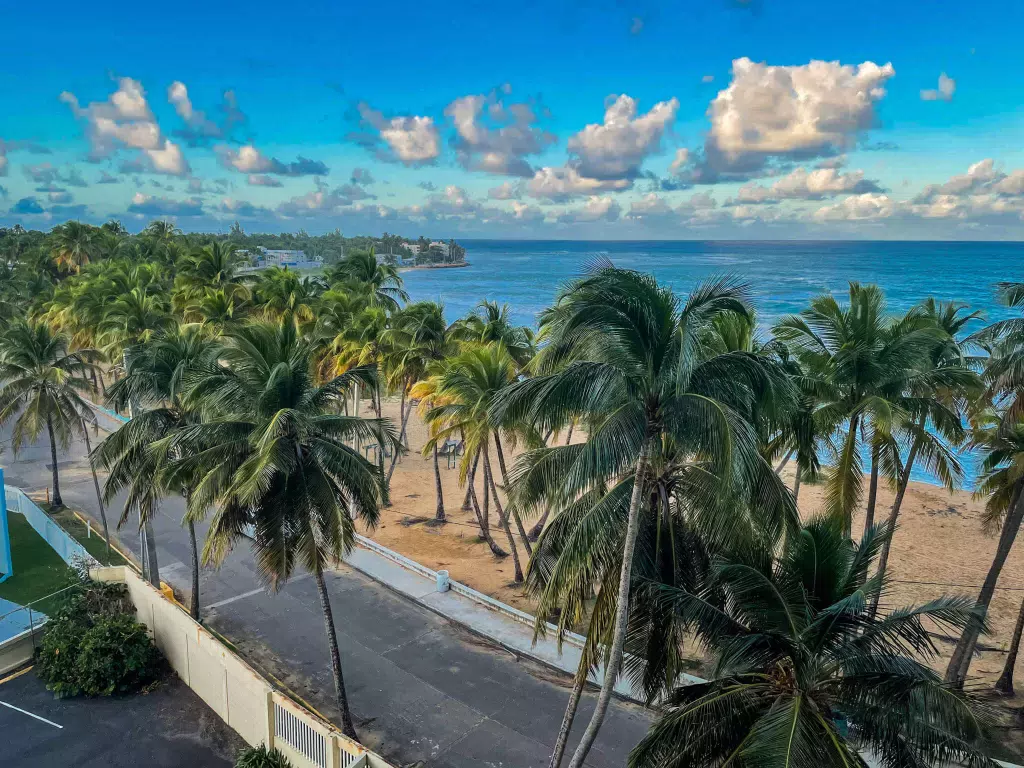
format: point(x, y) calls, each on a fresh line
point(242, 697)
point(18, 650)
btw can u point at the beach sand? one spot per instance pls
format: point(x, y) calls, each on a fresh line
point(940, 547)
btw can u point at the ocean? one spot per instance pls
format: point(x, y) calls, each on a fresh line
point(783, 276)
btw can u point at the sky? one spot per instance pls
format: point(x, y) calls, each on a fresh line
point(611, 119)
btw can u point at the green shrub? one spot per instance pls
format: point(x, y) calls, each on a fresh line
point(261, 757)
point(94, 646)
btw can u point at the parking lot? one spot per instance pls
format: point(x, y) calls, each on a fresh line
point(169, 726)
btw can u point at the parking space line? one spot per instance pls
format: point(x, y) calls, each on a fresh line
point(26, 712)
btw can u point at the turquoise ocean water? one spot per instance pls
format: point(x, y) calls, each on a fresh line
point(782, 275)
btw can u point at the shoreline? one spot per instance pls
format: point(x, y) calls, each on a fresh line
point(434, 266)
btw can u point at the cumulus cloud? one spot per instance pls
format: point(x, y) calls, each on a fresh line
point(3, 163)
point(524, 213)
point(27, 206)
point(125, 120)
point(323, 199)
point(506, 191)
point(979, 176)
point(248, 159)
point(617, 147)
point(770, 113)
point(427, 185)
point(152, 205)
point(412, 140)
point(944, 92)
point(564, 183)
point(198, 126)
point(242, 209)
point(361, 176)
point(802, 184)
point(595, 209)
point(865, 207)
point(262, 180)
point(107, 178)
point(494, 136)
point(47, 173)
point(983, 192)
point(650, 206)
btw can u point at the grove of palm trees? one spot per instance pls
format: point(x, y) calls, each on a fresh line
point(651, 467)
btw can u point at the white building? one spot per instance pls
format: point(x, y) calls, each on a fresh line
point(441, 246)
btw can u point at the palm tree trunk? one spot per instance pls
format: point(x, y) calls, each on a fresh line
point(439, 508)
point(851, 444)
point(512, 507)
point(1005, 682)
point(502, 517)
point(481, 517)
point(96, 486)
point(467, 503)
point(783, 463)
point(568, 436)
point(578, 684)
point(539, 526)
point(894, 513)
point(869, 515)
point(57, 502)
point(347, 725)
point(960, 663)
point(402, 439)
point(377, 408)
point(796, 484)
point(150, 539)
point(194, 607)
point(614, 662)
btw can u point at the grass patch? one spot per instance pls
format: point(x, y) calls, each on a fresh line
point(38, 570)
point(94, 544)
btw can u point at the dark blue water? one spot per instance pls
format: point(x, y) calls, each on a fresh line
point(783, 276)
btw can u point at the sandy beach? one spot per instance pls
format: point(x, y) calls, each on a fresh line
point(940, 547)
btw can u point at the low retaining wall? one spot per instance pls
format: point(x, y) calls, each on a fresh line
point(18, 650)
point(242, 697)
point(59, 540)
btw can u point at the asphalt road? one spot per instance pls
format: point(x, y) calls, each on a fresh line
point(166, 728)
point(421, 688)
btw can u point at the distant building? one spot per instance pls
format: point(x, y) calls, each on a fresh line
point(265, 257)
point(441, 246)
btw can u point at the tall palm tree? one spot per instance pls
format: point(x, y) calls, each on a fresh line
point(272, 453)
point(937, 397)
point(856, 359)
point(136, 455)
point(213, 268)
point(40, 381)
point(279, 291)
point(72, 245)
point(639, 374)
point(361, 273)
point(804, 677)
point(490, 323)
point(1000, 438)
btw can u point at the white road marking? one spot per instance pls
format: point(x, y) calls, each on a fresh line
point(25, 712)
point(251, 592)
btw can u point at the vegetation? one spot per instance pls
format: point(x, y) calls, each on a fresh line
point(93, 645)
point(261, 757)
point(259, 400)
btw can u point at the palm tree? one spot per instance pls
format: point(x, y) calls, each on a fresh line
point(938, 394)
point(72, 245)
point(467, 388)
point(361, 273)
point(489, 323)
point(132, 320)
point(271, 454)
point(640, 376)
point(856, 360)
point(214, 268)
point(804, 676)
point(1001, 480)
point(40, 381)
point(1005, 682)
point(136, 455)
point(280, 292)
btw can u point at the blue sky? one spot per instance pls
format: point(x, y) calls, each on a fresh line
point(719, 119)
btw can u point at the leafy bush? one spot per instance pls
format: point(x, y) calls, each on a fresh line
point(261, 757)
point(94, 646)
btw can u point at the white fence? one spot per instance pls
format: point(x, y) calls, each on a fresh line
point(61, 542)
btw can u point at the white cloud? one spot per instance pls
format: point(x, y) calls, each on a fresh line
point(248, 159)
point(3, 163)
point(150, 205)
point(811, 110)
point(945, 91)
point(506, 191)
point(413, 140)
point(863, 207)
point(616, 148)
point(263, 180)
point(526, 213)
point(595, 209)
point(802, 184)
point(177, 95)
point(495, 137)
point(650, 206)
point(564, 183)
point(679, 162)
point(125, 120)
point(978, 176)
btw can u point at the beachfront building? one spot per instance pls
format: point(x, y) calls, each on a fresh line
point(265, 257)
point(441, 246)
